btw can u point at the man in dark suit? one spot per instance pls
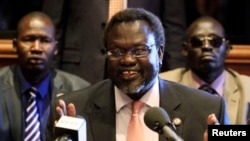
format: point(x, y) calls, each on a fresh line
point(135, 42)
point(81, 23)
point(35, 46)
point(173, 17)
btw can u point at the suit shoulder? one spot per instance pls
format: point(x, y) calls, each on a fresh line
point(172, 75)
point(186, 92)
point(245, 79)
point(7, 74)
point(94, 90)
point(70, 77)
point(4, 70)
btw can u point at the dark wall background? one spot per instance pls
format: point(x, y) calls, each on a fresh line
point(12, 10)
point(234, 16)
point(80, 25)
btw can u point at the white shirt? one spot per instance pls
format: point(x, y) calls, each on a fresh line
point(123, 112)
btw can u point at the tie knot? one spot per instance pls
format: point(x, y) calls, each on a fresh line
point(208, 89)
point(33, 92)
point(136, 106)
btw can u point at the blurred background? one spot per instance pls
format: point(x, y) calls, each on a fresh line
point(80, 25)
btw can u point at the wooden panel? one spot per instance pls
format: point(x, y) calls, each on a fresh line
point(7, 54)
point(238, 58)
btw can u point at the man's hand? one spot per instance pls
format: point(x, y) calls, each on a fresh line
point(211, 120)
point(62, 110)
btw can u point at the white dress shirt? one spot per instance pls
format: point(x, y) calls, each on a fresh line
point(123, 112)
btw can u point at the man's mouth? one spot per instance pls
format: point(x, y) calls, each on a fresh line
point(129, 74)
point(36, 61)
point(207, 57)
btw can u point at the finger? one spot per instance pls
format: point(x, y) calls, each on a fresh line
point(205, 136)
point(71, 109)
point(63, 107)
point(212, 120)
point(59, 111)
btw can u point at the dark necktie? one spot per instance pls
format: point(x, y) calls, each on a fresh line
point(32, 124)
point(208, 89)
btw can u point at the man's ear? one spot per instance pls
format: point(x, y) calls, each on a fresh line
point(185, 48)
point(14, 44)
point(228, 46)
point(161, 53)
point(56, 48)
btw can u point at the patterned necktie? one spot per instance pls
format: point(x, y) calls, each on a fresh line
point(32, 124)
point(208, 89)
point(135, 128)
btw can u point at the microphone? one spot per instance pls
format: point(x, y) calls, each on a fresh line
point(71, 129)
point(157, 119)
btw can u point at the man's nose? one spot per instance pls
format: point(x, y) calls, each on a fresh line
point(206, 43)
point(37, 44)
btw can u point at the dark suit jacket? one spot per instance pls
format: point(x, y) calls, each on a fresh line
point(10, 100)
point(80, 25)
point(97, 104)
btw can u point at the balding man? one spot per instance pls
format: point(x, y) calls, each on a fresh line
point(206, 49)
point(35, 45)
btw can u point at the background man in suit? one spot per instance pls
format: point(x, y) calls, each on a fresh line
point(134, 40)
point(35, 46)
point(206, 48)
point(81, 24)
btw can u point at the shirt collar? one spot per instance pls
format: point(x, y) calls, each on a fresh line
point(151, 97)
point(217, 84)
point(42, 87)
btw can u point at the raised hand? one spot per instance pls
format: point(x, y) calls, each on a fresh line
point(63, 110)
point(211, 120)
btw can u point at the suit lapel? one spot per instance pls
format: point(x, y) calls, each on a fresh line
point(99, 121)
point(171, 106)
point(11, 90)
point(232, 96)
point(56, 84)
point(239, 97)
point(101, 117)
point(14, 111)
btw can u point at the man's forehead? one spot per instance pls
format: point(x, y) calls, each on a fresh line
point(207, 28)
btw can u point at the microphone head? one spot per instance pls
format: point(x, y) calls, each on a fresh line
point(71, 128)
point(156, 118)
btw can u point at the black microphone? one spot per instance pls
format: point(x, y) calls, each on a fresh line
point(157, 119)
point(71, 129)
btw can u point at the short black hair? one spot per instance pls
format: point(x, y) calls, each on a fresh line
point(133, 14)
point(34, 15)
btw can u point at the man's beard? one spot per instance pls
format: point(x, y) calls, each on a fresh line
point(132, 88)
point(135, 87)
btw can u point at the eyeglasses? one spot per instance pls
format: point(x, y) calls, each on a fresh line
point(214, 40)
point(138, 52)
